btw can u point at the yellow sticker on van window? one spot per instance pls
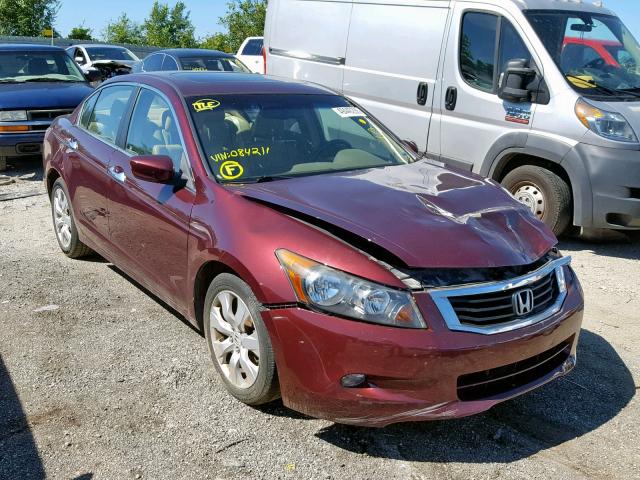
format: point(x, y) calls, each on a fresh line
point(205, 104)
point(231, 170)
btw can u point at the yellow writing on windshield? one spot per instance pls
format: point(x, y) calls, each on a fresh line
point(241, 152)
point(231, 170)
point(205, 104)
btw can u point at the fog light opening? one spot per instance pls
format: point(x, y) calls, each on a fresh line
point(354, 380)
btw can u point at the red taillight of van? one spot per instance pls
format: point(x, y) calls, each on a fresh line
point(264, 58)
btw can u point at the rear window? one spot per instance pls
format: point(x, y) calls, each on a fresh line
point(253, 47)
point(250, 138)
point(213, 64)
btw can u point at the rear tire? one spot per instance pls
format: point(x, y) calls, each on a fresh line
point(546, 194)
point(64, 224)
point(239, 342)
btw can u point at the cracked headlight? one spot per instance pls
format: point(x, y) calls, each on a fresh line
point(610, 125)
point(330, 290)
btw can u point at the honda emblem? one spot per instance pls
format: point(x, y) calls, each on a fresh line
point(523, 302)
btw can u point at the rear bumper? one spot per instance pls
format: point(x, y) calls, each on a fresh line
point(412, 374)
point(21, 144)
point(609, 180)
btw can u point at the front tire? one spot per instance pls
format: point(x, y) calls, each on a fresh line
point(64, 224)
point(546, 194)
point(239, 342)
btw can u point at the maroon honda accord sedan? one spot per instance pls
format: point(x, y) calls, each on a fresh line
point(323, 261)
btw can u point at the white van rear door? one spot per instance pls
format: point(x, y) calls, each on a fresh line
point(391, 51)
point(307, 39)
point(473, 118)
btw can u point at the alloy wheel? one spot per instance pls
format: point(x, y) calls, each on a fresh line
point(62, 218)
point(235, 339)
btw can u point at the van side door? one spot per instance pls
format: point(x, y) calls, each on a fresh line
point(393, 53)
point(474, 119)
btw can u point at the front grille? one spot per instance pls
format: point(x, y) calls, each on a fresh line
point(498, 307)
point(44, 115)
point(498, 381)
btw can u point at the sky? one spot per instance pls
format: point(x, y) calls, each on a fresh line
point(205, 14)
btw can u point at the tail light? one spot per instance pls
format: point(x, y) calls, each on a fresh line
point(264, 58)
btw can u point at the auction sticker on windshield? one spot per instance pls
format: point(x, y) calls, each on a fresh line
point(346, 112)
point(205, 104)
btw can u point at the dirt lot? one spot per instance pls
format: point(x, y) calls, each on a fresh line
point(99, 380)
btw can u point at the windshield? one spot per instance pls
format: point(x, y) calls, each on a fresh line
point(110, 53)
point(38, 66)
point(249, 138)
point(595, 52)
point(213, 64)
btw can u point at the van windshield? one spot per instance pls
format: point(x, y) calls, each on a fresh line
point(252, 138)
point(596, 52)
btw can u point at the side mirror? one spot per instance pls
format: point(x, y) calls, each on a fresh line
point(515, 81)
point(93, 75)
point(79, 60)
point(411, 145)
point(152, 168)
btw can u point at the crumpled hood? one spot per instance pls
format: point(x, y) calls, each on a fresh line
point(115, 63)
point(42, 95)
point(424, 214)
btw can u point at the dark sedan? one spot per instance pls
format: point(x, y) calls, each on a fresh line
point(322, 260)
point(191, 59)
point(37, 84)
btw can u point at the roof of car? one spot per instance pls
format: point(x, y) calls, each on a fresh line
point(194, 52)
point(188, 83)
point(99, 45)
point(28, 47)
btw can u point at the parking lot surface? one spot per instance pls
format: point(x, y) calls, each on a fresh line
point(99, 379)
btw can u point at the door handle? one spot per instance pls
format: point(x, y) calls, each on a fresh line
point(423, 93)
point(71, 144)
point(117, 172)
point(451, 98)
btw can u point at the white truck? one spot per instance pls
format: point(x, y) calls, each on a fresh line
point(540, 95)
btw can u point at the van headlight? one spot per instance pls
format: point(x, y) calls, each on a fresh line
point(13, 116)
point(606, 124)
point(330, 290)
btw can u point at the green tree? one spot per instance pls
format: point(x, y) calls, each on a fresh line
point(124, 30)
point(80, 33)
point(169, 27)
point(27, 17)
point(244, 18)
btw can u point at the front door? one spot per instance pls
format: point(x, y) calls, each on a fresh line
point(150, 221)
point(480, 45)
point(89, 146)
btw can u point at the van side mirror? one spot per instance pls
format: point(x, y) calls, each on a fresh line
point(411, 145)
point(515, 81)
point(79, 60)
point(152, 168)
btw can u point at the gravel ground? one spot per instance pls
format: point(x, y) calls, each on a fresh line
point(107, 382)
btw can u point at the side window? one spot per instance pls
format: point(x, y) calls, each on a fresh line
point(87, 111)
point(78, 56)
point(511, 46)
point(153, 130)
point(153, 62)
point(478, 49)
point(108, 111)
point(253, 47)
point(169, 64)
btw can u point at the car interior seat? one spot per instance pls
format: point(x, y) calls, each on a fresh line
point(37, 66)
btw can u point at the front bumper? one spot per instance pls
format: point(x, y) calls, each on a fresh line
point(412, 374)
point(21, 144)
point(606, 183)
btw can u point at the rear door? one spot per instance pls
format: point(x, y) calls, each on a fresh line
point(89, 145)
point(392, 60)
point(481, 43)
point(150, 221)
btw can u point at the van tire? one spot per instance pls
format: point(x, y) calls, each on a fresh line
point(546, 187)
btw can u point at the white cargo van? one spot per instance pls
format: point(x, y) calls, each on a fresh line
point(540, 95)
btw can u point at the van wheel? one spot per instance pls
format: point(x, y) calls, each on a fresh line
point(546, 194)
point(64, 223)
point(238, 341)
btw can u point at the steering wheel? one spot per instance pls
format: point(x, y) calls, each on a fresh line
point(329, 149)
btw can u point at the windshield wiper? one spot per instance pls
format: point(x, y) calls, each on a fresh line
point(263, 179)
point(602, 88)
point(45, 79)
point(9, 81)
